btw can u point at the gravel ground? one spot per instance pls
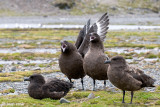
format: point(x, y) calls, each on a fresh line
point(149, 68)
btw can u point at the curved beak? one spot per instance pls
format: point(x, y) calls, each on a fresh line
point(92, 38)
point(107, 62)
point(26, 79)
point(63, 47)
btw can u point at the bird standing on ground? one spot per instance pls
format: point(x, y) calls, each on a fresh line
point(94, 58)
point(39, 89)
point(127, 78)
point(71, 58)
point(71, 62)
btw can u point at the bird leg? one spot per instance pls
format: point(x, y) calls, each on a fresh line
point(70, 80)
point(104, 83)
point(131, 96)
point(123, 96)
point(94, 82)
point(82, 83)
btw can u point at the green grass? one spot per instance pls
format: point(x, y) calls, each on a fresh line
point(118, 39)
point(19, 75)
point(80, 99)
point(31, 64)
point(43, 65)
point(35, 34)
point(10, 90)
point(31, 56)
point(133, 54)
point(114, 38)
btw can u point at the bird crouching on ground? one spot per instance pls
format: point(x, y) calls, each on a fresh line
point(127, 78)
point(39, 89)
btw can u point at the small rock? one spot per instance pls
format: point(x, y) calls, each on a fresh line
point(141, 58)
point(130, 8)
point(114, 8)
point(25, 46)
point(37, 68)
point(23, 69)
point(91, 96)
point(18, 62)
point(13, 68)
point(38, 43)
point(15, 93)
point(129, 50)
point(155, 51)
point(1, 69)
point(97, 97)
point(63, 100)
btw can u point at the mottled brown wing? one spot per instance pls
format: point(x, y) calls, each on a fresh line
point(139, 75)
point(58, 85)
point(82, 34)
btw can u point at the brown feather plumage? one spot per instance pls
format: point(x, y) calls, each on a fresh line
point(94, 60)
point(127, 78)
point(40, 89)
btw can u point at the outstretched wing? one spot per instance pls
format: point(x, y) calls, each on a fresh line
point(100, 27)
point(82, 34)
point(139, 75)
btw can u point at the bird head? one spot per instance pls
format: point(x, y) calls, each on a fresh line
point(94, 37)
point(64, 46)
point(35, 78)
point(67, 47)
point(116, 60)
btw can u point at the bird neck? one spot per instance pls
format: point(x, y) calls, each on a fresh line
point(97, 45)
point(122, 66)
point(68, 52)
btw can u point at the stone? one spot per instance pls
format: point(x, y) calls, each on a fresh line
point(15, 93)
point(36, 69)
point(1, 69)
point(18, 62)
point(91, 96)
point(97, 97)
point(63, 100)
point(13, 68)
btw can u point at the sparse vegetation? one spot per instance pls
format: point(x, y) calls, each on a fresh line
point(114, 38)
point(35, 34)
point(80, 99)
point(63, 7)
point(31, 64)
point(43, 65)
point(19, 75)
point(10, 90)
point(31, 56)
point(133, 54)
